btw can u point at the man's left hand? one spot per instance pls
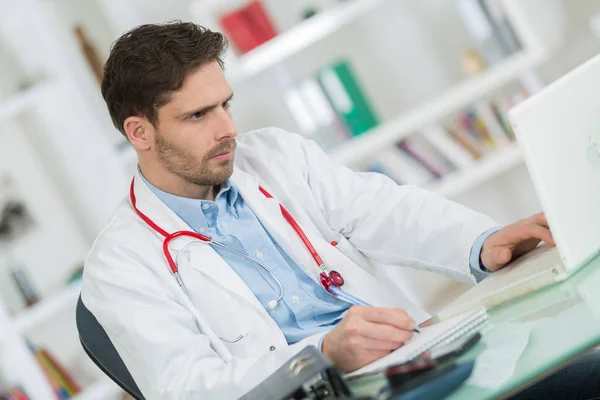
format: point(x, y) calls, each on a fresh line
point(513, 240)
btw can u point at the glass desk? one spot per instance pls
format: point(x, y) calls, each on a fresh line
point(544, 331)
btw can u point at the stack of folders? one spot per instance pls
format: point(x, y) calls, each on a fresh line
point(431, 337)
point(332, 107)
point(454, 145)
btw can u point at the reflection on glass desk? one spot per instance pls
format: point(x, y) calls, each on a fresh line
point(529, 338)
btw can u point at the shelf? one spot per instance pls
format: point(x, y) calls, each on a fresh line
point(47, 308)
point(21, 101)
point(492, 165)
point(299, 38)
point(458, 97)
point(103, 390)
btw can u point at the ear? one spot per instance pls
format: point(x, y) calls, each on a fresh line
point(139, 132)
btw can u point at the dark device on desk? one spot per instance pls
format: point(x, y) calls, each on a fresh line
point(432, 384)
point(299, 378)
point(433, 375)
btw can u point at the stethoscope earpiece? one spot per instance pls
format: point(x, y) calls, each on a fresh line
point(273, 304)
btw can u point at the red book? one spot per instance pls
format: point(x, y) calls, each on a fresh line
point(240, 32)
point(259, 21)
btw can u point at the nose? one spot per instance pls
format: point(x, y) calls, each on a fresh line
point(227, 129)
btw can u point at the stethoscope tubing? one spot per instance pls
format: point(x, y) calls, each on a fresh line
point(333, 288)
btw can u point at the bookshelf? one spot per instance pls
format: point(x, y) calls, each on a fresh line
point(62, 60)
point(47, 308)
point(490, 166)
point(363, 147)
point(299, 38)
point(21, 101)
point(105, 389)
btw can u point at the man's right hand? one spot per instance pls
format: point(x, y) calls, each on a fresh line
point(366, 334)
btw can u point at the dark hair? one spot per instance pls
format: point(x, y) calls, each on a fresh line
point(151, 61)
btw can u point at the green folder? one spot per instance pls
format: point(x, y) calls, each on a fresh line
point(347, 97)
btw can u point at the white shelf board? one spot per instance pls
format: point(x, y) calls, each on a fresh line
point(458, 97)
point(299, 37)
point(490, 166)
point(21, 101)
point(47, 308)
point(103, 390)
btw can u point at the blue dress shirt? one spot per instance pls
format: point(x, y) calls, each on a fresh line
point(306, 309)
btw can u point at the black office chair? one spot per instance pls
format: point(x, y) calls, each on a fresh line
point(100, 349)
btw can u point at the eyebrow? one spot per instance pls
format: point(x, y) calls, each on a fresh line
point(203, 109)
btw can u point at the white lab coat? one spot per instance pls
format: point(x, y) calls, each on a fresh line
point(171, 345)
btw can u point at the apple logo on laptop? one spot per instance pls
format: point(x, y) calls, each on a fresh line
point(593, 154)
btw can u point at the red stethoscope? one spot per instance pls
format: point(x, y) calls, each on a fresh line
point(330, 280)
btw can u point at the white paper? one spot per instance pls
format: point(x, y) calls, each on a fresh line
point(406, 352)
point(504, 346)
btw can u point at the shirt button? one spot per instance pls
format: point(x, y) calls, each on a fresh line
point(295, 299)
point(272, 348)
point(205, 206)
point(202, 229)
point(259, 255)
point(224, 225)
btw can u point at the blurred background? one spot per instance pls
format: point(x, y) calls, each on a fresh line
point(415, 89)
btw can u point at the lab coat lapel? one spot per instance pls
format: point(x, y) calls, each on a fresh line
point(203, 257)
point(268, 212)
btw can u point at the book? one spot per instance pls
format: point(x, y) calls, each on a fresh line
point(90, 53)
point(467, 142)
point(430, 337)
point(62, 382)
point(330, 131)
point(501, 116)
point(240, 33)
point(482, 30)
point(433, 152)
point(403, 169)
point(347, 97)
point(248, 26)
point(441, 139)
point(420, 153)
point(495, 12)
point(471, 124)
point(493, 127)
point(259, 21)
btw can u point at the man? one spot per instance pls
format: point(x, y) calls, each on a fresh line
point(235, 314)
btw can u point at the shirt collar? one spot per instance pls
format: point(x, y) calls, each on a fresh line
point(186, 206)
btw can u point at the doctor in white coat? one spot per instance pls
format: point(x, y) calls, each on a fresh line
point(211, 332)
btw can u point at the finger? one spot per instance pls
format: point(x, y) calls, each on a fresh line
point(542, 233)
point(396, 317)
point(384, 332)
point(377, 345)
point(540, 219)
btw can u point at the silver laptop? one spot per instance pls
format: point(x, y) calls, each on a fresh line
point(558, 131)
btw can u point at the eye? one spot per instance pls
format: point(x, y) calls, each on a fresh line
point(227, 104)
point(198, 115)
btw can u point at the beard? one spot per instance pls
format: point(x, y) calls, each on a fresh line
point(187, 166)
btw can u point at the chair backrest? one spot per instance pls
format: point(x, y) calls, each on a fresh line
point(100, 349)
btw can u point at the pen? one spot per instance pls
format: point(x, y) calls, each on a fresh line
point(353, 300)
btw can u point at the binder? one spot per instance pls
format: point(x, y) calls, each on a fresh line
point(347, 97)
